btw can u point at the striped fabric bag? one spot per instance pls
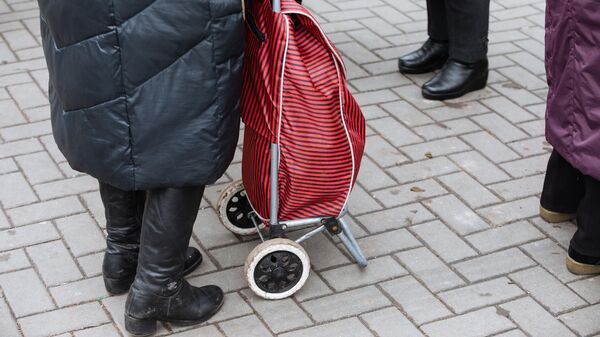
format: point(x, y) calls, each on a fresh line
point(295, 95)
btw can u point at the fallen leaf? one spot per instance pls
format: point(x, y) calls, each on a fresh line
point(417, 190)
point(429, 155)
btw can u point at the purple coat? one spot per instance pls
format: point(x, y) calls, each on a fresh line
point(573, 71)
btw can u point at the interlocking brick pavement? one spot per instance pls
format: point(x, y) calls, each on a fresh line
point(465, 254)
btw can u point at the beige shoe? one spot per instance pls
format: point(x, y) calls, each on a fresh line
point(578, 268)
point(555, 217)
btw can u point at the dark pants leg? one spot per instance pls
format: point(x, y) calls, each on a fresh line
point(563, 186)
point(468, 25)
point(437, 24)
point(169, 218)
point(587, 238)
point(124, 211)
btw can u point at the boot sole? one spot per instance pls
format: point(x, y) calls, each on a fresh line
point(555, 217)
point(148, 327)
point(580, 268)
point(480, 84)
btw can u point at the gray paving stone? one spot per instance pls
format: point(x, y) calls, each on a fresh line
point(362, 202)
point(58, 321)
point(45, 210)
point(229, 279)
point(583, 321)
point(372, 177)
point(351, 327)
point(233, 256)
point(469, 190)
point(280, 316)
point(430, 269)
point(456, 215)
point(406, 113)
point(534, 320)
point(323, 253)
point(503, 237)
point(493, 265)
point(526, 167)
point(436, 148)
point(346, 304)
point(519, 188)
point(511, 211)
point(445, 243)
point(387, 243)
point(588, 288)
point(249, 326)
point(314, 287)
point(15, 190)
point(54, 263)
point(39, 167)
point(552, 257)
point(390, 322)
point(27, 235)
point(383, 153)
point(13, 260)
point(409, 193)
point(395, 218)
point(480, 323)
point(66, 187)
point(8, 325)
point(209, 230)
point(547, 290)
point(207, 331)
point(81, 234)
point(514, 333)
point(394, 132)
point(478, 166)
point(415, 300)
point(422, 170)
point(107, 330)
point(352, 276)
point(25, 292)
point(490, 147)
point(86, 290)
point(234, 306)
point(91, 264)
point(481, 295)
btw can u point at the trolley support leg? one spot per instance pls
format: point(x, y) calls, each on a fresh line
point(275, 228)
point(350, 243)
point(277, 6)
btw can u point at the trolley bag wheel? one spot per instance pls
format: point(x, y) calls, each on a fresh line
point(277, 269)
point(235, 210)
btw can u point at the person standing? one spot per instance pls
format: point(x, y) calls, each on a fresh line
point(458, 40)
point(145, 97)
point(572, 183)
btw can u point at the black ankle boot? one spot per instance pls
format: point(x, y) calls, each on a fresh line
point(456, 79)
point(431, 56)
point(124, 211)
point(563, 191)
point(159, 292)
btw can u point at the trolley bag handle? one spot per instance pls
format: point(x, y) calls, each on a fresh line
point(249, 17)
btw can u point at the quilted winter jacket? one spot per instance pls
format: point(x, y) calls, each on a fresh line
point(145, 93)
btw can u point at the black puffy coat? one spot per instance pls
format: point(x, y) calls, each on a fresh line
point(145, 93)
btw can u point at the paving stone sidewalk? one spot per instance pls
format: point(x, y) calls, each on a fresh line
point(455, 243)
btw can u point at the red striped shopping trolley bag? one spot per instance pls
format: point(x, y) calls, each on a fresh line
point(304, 139)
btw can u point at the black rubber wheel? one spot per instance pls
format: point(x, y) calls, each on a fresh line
point(278, 272)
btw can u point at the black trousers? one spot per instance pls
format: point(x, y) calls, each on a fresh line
point(566, 190)
point(462, 23)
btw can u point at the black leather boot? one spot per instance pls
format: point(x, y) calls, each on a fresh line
point(159, 292)
point(431, 56)
point(124, 211)
point(456, 79)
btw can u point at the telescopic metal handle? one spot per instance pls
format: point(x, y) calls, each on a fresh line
point(277, 6)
